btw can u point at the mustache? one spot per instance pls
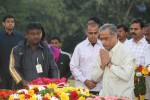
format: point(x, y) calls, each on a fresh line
point(133, 33)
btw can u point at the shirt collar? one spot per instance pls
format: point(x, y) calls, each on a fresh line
point(87, 42)
point(141, 41)
point(115, 47)
point(39, 45)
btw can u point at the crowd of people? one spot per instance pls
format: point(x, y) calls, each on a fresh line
point(103, 62)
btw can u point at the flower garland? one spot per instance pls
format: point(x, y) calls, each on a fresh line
point(45, 81)
point(4, 94)
point(139, 80)
point(51, 92)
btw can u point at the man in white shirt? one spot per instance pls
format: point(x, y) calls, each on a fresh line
point(147, 60)
point(81, 64)
point(114, 64)
point(122, 33)
point(138, 43)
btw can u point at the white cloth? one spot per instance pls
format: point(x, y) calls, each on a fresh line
point(126, 42)
point(147, 62)
point(139, 50)
point(118, 80)
point(63, 52)
point(81, 64)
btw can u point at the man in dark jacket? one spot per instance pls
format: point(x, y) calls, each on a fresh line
point(8, 39)
point(32, 58)
point(63, 59)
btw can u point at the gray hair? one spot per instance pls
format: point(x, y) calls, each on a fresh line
point(112, 28)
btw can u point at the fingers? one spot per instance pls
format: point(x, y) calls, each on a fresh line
point(90, 84)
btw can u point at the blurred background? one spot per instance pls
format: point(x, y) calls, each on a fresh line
point(68, 18)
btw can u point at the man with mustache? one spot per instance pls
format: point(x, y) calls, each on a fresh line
point(147, 59)
point(138, 43)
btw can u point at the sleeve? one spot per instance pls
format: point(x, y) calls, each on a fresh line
point(126, 70)
point(97, 72)
point(14, 66)
point(75, 64)
point(54, 72)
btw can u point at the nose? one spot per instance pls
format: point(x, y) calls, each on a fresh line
point(103, 41)
point(132, 30)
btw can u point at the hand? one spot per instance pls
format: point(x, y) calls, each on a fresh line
point(24, 83)
point(90, 84)
point(105, 58)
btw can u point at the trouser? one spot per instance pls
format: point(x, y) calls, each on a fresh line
point(6, 82)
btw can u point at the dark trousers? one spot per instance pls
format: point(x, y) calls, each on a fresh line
point(6, 82)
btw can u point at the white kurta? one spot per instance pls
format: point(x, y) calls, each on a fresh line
point(147, 62)
point(81, 64)
point(118, 80)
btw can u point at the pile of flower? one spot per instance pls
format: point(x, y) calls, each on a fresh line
point(139, 80)
point(4, 94)
point(108, 98)
point(51, 92)
point(45, 81)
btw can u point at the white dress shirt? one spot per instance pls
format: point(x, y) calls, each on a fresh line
point(147, 62)
point(139, 50)
point(118, 80)
point(126, 42)
point(81, 64)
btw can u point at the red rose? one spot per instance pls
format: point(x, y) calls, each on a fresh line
point(63, 79)
point(27, 96)
point(73, 95)
point(140, 68)
point(45, 98)
point(3, 94)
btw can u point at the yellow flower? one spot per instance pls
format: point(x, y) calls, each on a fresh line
point(64, 96)
point(144, 71)
point(31, 92)
point(11, 97)
point(32, 98)
point(47, 95)
point(81, 98)
point(21, 97)
point(135, 67)
point(52, 85)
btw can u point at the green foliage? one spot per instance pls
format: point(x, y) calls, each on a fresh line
point(45, 91)
point(67, 18)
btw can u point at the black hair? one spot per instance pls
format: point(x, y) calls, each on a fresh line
point(95, 19)
point(123, 26)
point(7, 16)
point(36, 25)
point(56, 38)
point(139, 21)
point(147, 25)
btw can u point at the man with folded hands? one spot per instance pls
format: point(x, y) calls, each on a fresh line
point(114, 65)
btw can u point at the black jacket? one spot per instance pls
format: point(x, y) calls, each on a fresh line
point(49, 67)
